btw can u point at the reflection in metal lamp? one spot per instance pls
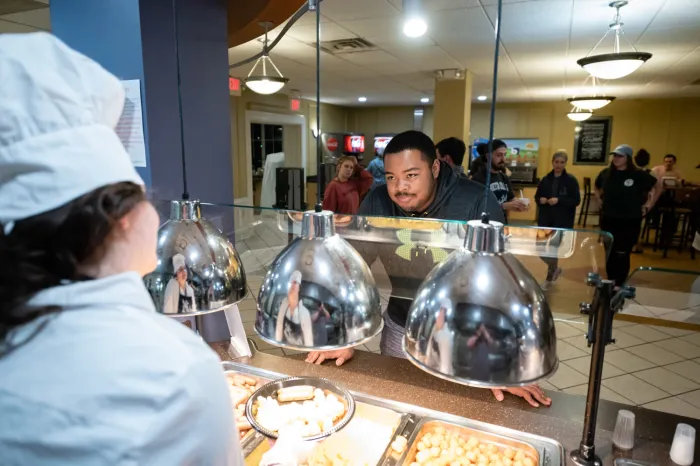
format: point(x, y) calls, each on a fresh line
point(319, 293)
point(479, 318)
point(198, 270)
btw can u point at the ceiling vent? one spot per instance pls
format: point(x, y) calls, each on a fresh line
point(344, 46)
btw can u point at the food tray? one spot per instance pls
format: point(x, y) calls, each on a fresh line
point(427, 424)
point(324, 384)
point(262, 381)
point(352, 445)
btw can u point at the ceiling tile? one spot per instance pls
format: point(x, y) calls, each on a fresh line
point(38, 18)
point(344, 10)
point(329, 31)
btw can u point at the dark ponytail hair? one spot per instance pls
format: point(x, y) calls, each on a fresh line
point(48, 249)
point(642, 158)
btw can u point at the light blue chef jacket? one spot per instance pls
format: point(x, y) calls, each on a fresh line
point(108, 381)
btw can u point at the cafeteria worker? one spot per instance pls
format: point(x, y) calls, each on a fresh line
point(91, 374)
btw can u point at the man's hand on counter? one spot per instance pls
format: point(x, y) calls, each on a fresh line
point(340, 356)
point(532, 394)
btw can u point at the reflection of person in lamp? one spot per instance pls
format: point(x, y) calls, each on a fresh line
point(179, 295)
point(442, 338)
point(293, 319)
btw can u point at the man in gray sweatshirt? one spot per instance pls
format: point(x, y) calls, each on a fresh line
point(418, 185)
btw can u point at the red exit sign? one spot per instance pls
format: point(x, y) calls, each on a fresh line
point(295, 105)
point(234, 86)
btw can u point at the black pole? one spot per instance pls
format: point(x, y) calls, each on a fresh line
point(600, 326)
point(494, 93)
point(319, 205)
point(185, 192)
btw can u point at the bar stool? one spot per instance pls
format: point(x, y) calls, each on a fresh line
point(585, 201)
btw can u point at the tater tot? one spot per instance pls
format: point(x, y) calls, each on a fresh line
point(472, 442)
point(519, 456)
point(507, 461)
point(509, 453)
point(528, 461)
point(517, 463)
point(423, 456)
point(459, 451)
point(471, 456)
point(482, 459)
point(491, 448)
point(440, 430)
point(435, 452)
point(420, 446)
point(482, 447)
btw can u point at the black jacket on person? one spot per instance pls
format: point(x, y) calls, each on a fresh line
point(409, 254)
point(563, 214)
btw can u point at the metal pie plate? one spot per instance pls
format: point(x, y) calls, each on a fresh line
point(324, 384)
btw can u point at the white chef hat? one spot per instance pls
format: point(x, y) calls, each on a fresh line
point(178, 262)
point(58, 111)
point(295, 277)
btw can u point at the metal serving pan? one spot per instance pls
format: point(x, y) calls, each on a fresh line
point(271, 389)
point(428, 424)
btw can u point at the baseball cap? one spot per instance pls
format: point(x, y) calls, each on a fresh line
point(623, 149)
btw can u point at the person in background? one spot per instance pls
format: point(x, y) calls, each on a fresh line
point(642, 159)
point(351, 182)
point(418, 186)
point(451, 151)
point(668, 169)
point(179, 295)
point(376, 169)
point(500, 183)
point(623, 192)
point(92, 374)
point(294, 319)
point(558, 196)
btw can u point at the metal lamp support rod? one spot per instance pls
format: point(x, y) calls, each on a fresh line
point(316, 5)
point(600, 318)
point(494, 93)
point(185, 191)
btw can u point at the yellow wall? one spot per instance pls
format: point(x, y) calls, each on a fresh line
point(377, 120)
point(333, 119)
point(661, 126)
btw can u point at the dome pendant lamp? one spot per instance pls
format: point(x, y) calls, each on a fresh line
point(591, 101)
point(617, 64)
point(264, 83)
point(577, 114)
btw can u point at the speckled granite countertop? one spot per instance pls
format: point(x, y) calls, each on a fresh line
point(399, 380)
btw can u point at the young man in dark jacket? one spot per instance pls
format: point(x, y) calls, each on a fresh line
point(499, 182)
point(558, 196)
point(452, 150)
point(419, 186)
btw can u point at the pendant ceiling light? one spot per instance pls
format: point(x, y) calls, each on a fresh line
point(414, 24)
point(576, 114)
point(198, 271)
point(318, 294)
point(617, 64)
point(591, 101)
point(264, 83)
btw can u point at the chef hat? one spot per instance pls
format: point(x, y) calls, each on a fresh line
point(295, 277)
point(178, 262)
point(58, 111)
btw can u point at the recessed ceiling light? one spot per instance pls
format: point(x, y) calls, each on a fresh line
point(415, 27)
point(482, 97)
point(362, 99)
point(425, 100)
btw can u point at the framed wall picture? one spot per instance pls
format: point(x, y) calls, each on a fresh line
point(592, 141)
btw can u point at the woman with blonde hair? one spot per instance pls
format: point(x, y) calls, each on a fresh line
point(557, 197)
point(351, 182)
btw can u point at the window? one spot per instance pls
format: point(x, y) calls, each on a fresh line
point(265, 139)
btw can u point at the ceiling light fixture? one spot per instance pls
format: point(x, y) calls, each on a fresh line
point(265, 84)
point(591, 101)
point(616, 64)
point(577, 114)
point(362, 99)
point(425, 100)
point(482, 98)
point(414, 24)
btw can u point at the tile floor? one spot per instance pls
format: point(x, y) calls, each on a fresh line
point(654, 366)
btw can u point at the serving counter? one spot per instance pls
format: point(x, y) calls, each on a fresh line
point(397, 383)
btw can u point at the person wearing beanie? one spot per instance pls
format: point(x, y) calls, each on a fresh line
point(623, 193)
point(93, 375)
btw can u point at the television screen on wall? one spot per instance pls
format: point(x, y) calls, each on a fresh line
point(380, 142)
point(354, 144)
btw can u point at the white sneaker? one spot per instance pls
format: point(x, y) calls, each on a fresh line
point(557, 274)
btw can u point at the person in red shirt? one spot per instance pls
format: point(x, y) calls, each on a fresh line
point(351, 182)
